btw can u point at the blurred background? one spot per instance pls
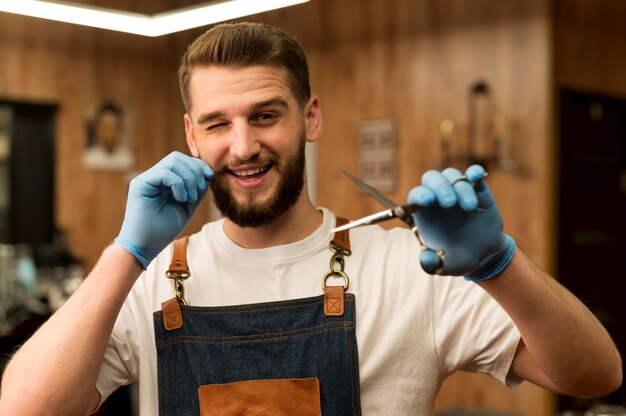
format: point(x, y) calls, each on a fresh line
point(533, 89)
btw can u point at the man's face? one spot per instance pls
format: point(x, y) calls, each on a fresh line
point(246, 124)
point(107, 130)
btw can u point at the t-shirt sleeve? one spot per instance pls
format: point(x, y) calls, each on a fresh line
point(471, 330)
point(121, 362)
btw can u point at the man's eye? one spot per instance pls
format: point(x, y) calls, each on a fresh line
point(215, 126)
point(265, 117)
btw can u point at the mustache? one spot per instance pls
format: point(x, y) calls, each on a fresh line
point(225, 167)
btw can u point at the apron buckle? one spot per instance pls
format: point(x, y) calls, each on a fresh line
point(179, 270)
point(334, 295)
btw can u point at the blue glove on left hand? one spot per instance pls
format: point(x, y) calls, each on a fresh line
point(463, 221)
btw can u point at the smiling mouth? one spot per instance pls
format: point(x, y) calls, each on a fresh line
point(250, 173)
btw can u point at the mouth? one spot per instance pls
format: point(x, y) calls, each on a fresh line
point(250, 173)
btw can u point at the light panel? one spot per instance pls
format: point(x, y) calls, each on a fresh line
point(140, 24)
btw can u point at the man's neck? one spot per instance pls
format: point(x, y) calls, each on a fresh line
point(294, 225)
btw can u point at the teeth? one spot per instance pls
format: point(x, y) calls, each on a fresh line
point(249, 172)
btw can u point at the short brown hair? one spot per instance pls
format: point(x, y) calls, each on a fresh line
point(240, 45)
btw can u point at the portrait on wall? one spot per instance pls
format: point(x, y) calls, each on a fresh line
point(107, 146)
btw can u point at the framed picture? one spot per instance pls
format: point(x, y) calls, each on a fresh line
point(106, 146)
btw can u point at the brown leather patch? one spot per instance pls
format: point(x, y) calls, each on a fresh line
point(333, 300)
point(172, 315)
point(278, 397)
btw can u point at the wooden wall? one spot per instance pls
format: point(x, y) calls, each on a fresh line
point(410, 60)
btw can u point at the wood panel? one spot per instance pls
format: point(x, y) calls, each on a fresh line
point(409, 60)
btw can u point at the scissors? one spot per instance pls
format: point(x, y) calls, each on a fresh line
point(402, 212)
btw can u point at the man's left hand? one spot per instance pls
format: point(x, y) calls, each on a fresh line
point(460, 218)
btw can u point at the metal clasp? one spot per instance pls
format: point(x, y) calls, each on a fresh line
point(337, 258)
point(179, 289)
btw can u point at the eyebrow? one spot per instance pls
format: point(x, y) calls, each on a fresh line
point(276, 101)
point(205, 118)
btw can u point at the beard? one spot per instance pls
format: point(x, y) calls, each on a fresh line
point(251, 213)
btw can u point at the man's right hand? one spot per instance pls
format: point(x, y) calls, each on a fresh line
point(160, 203)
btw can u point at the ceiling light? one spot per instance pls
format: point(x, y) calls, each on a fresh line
point(140, 24)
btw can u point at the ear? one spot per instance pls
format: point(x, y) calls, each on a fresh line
point(190, 136)
point(313, 119)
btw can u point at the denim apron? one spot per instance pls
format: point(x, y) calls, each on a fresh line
point(294, 357)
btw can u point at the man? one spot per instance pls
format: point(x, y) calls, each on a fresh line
point(260, 334)
point(105, 150)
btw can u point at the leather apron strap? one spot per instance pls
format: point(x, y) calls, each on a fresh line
point(341, 240)
point(178, 271)
point(334, 296)
point(179, 257)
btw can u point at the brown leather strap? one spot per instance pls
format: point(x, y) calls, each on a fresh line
point(172, 315)
point(334, 295)
point(341, 241)
point(179, 257)
point(178, 271)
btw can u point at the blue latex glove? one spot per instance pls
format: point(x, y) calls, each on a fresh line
point(463, 221)
point(160, 203)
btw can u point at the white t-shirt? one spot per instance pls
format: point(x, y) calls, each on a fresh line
point(413, 330)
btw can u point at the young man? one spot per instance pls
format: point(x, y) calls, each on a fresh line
point(253, 330)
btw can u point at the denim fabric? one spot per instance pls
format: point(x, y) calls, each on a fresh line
point(287, 339)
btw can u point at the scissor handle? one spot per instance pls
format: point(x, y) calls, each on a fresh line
point(431, 260)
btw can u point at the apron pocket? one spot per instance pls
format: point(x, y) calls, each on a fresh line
point(276, 397)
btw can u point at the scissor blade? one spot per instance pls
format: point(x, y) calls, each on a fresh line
point(402, 212)
point(370, 219)
point(373, 192)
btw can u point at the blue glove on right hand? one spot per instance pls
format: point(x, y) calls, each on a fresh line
point(160, 203)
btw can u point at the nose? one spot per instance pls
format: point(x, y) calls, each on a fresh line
point(243, 143)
